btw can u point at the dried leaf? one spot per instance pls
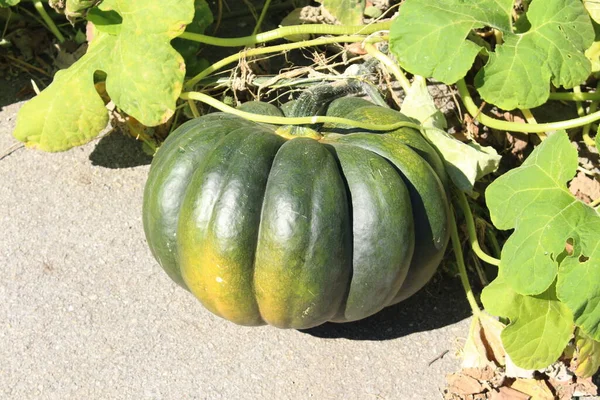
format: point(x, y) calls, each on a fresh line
point(538, 389)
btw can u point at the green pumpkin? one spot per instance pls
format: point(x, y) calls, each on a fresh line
point(264, 227)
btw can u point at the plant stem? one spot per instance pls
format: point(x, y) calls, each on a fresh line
point(39, 6)
point(515, 126)
point(275, 49)
point(7, 23)
point(460, 261)
point(575, 96)
point(317, 29)
point(493, 241)
point(294, 121)
point(531, 120)
point(585, 134)
point(463, 203)
point(262, 17)
point(595, 203)
point(390, 65)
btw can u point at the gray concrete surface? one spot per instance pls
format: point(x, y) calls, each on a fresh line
point(86, 312)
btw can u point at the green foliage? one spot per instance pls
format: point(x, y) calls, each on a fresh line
point(593, 8)
point(144, 77)
point(588, 354)
point(348, 12)
point(540, 326)
point(8, 3)
point(188, 49)
point(431, 38)
point(537, 273)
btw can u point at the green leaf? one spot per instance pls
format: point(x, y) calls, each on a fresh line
point(105, 21)
point(593, 54)
point(593, 8)
point(430, 38)
point(188, 49)
point(588, 355)
point(465, 163)
point(144, 77)
point(8, 3)
point(535, 201)
point(579, 275)
point(348, 12)
point(540, 326)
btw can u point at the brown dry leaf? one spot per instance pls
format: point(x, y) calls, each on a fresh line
point(463, 385)
point(537, 389)
point(67, 56)
point(356, 49)
point(486, 373)
point(585, 188)
point(518, 144)
point(506, 393)
point(484, 345)
point(566, 390)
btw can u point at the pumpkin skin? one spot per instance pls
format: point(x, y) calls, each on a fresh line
point(264, 229)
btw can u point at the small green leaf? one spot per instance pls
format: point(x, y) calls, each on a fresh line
point(348, 12)
point(540, 326)
point(465, 163)
point(588, 356)
point(430, 38)
point(144, 77)
point(535, 201)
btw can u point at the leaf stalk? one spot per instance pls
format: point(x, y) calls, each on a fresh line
point(463, 203)
point(296, 120)
point(515, 126)
point(462, 269)
point(39, 6)
point(281, 32)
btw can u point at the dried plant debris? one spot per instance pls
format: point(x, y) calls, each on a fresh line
point(493, 383)
point(585, 187)
point(489, 373)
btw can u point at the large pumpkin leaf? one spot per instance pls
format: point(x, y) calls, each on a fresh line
point(144, 77)
point(430, 38)
point(540, 326)
point(534, 200)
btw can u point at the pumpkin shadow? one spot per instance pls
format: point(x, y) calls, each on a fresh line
point(117, 150)
point(440, 303)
